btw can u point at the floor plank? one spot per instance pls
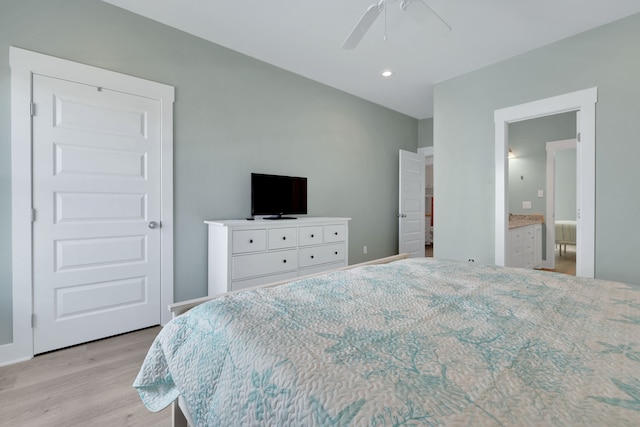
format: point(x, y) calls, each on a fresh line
point(88, 385)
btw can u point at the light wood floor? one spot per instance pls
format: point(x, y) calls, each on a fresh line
point(85, 385)
point(567, 262)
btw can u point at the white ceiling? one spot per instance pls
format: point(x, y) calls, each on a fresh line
point(305, 37)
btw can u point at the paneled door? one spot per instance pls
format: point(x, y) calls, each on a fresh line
point(96, 199)
point(411, 219)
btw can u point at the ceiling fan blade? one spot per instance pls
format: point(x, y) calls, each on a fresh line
point(422, 12)
point(363, 25)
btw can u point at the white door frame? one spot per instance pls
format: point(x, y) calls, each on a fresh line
point(24, 64)
point(583, 101)
point(552, 147)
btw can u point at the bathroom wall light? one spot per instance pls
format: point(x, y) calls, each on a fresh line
point(386, 73)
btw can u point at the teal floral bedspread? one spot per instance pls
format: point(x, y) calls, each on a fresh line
point(412, 343)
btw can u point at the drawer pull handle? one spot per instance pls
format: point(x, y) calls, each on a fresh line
point(284, 237)
point(336, 252)
point(311, 256)
point(284, 260)
point(336, 233)
point(312, 236)
point(250, 240)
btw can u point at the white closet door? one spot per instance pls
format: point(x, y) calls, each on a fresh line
point(411, 220)
point(96, 163)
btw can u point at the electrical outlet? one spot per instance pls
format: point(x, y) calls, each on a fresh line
point(472, 260)
point(526, 205)
point(540, 193)
point(364, 250)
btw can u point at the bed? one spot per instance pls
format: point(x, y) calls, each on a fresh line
point(565, 234)
point(413, 342)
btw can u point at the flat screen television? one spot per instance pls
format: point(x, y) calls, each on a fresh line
point(278, 195)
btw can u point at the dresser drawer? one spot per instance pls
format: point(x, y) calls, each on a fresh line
point(262, 264)
point(262, 280)
point(321, 254)
point(315, 269)
point(249, 241)
point(282, 238)
point(310, 235)
point(335, 233)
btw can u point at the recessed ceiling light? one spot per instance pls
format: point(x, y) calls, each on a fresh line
point(387, 73)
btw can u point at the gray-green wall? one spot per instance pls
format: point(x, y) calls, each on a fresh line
point(233, 115)
point(606, 57)
point(528, 170)
point(425, 133)
point(566, 188)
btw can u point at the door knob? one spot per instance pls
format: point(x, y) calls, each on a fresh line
point(154, 224)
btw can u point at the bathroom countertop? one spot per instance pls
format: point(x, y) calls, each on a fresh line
point(517, 220)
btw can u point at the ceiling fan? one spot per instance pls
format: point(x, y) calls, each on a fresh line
point(417, 9)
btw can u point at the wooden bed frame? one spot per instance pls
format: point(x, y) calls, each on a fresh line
point(178, 416)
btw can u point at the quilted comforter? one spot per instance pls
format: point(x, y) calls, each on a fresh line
point(414, 342)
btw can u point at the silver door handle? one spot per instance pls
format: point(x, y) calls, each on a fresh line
point(154, 224)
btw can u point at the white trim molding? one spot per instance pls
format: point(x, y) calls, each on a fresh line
point(24, 64)
point(584, 102)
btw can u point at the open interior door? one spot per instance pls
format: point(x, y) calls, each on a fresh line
point(411, 219)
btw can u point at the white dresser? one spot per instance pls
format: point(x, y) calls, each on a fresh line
point(244, 253)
